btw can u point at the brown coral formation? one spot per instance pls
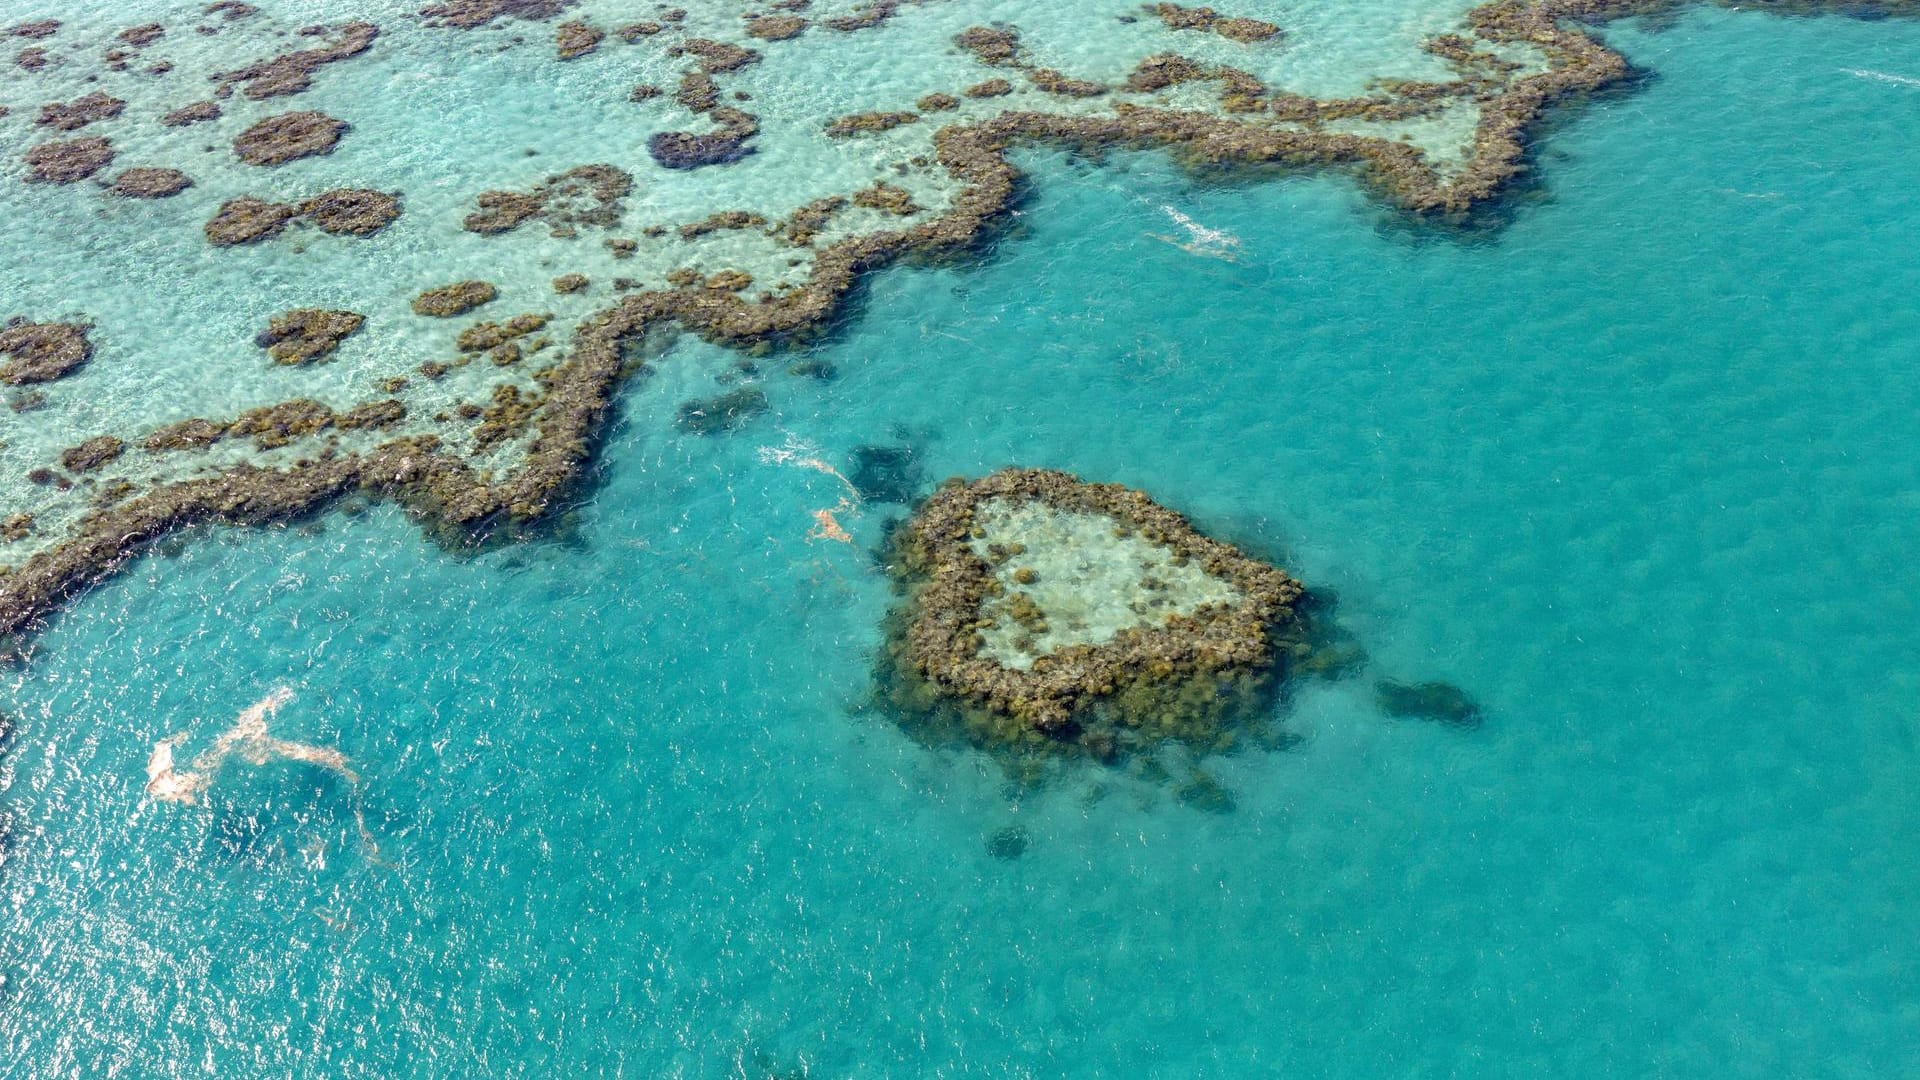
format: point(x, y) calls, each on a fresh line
point(198, 112)
point(248, 220)
point(586, 195)
point(869, 122)
point(886, 198)
point(92, 454)
point(340, 212)
point(81, 111)
point(41, 352)
point(351, 211)
point(715, 57)
point(1205, 18)
point(68, 162)
point(455, 299)
point(151, 183)
point(277, 140)
point(304, 335)
point(723, 220)
point(292, 73)
point(34, 31)
point(1091, 697)
point(865, 18)
point(776, 27)
point(695, 150)
point(994, 46)
point(142, 35)
point(576, 39)
point(469, 14)
point(1059, 85)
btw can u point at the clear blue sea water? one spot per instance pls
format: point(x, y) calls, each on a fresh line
point(1637, 470)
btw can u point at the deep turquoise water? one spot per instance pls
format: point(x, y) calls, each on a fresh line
point(1637, 470)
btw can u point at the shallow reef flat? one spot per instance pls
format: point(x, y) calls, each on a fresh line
point(232, 234)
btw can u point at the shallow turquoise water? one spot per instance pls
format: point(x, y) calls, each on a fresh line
point(1636, 470)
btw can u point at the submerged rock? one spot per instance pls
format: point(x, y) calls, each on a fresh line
point(886, 473)
point(1008, 843)
point(718, 415)
point(1439, 701)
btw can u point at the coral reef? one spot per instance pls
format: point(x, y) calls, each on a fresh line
point(142, 35)
point(341, 212)
point(1205, 18)
point(304, 335)
point(569, 283)
point(1438, 701)
point(993, 46)
point(1167, 639)
point(586, 195)
point(886, 473)
point(865, 18)
point(81, 111)
point(715, 57)
point(248, 220)
point(886, 198)
point(292, 73)
point(721, 414)
point(562, 421)
point(287, 137)
point(469, 14)
point(720, 221)
point(351, 211)
point(151, 183)
point(776, 27)
point(869, 121)
point(68, 162)
point(455, 299)
point(41, 352)
point(198, 112)
point(576, 39)
point(92, 454)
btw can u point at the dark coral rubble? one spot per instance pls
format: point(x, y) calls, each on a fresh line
point(1083, 696)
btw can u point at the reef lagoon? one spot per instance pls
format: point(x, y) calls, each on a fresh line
point(450, 536)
